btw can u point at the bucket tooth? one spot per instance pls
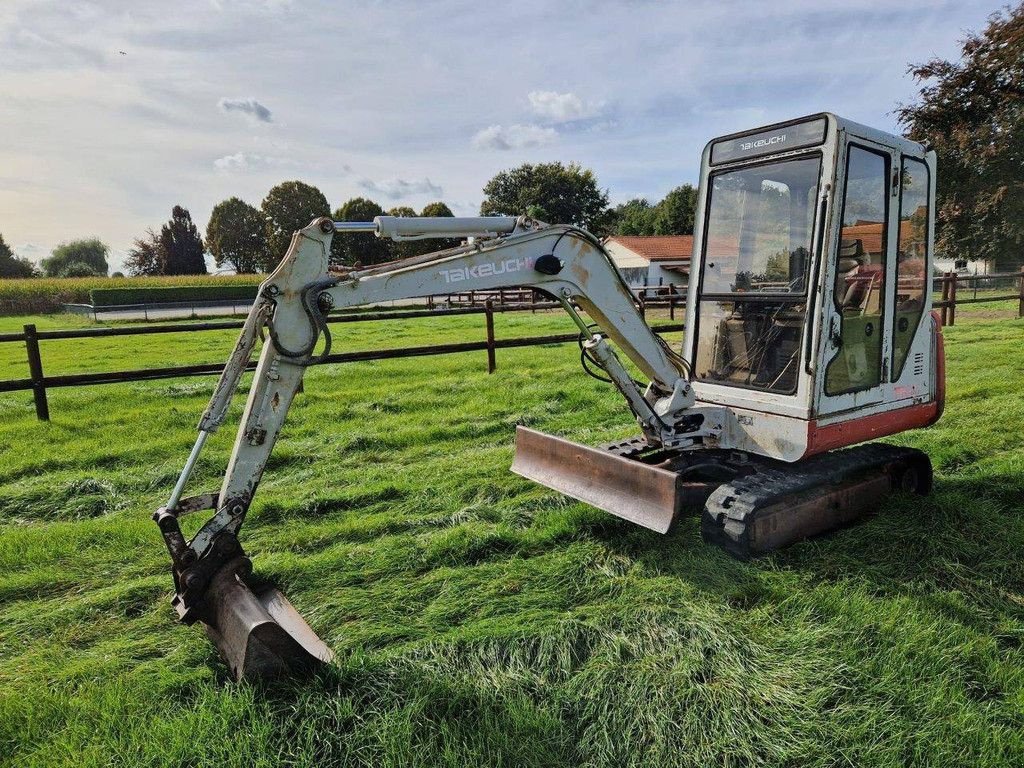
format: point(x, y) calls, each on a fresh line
point(258, 632)
point(638, 492)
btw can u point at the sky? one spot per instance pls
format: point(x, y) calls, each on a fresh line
point(113, 112)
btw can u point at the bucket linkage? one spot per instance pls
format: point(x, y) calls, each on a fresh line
point(258, 632)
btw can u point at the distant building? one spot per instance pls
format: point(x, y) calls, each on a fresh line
point(652, 260)
point(965, 267)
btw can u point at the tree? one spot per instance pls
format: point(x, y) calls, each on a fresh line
point(181, 247)
point(362, 247)
point(674, 215)
point(972, 112)
point(237, 235)
point(79, 269)
point(634, 217)
point(14, 266)
point(436, 209)
point(552, 192)
point(288, 207)
point(91, 253)
point(144, 256)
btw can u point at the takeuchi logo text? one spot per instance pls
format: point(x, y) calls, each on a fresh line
point(746, 146)
point(487, 269)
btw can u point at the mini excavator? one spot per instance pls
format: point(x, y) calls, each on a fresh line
point(808, 335)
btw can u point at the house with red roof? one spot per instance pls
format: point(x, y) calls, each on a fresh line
point(652, 260)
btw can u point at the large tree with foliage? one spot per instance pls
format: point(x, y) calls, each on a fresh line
point(77, 258)
point(290, 206)
point(436, 209)
point(634, 217)
point(181, 247)
point(361, 247)
point(14, 266)
point(674, 215)
point(237, 235)
point(552, 192)
point(144, 256)
point(972, 112)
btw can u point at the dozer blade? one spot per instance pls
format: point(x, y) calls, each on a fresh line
point(258, 632)
point(629, 489)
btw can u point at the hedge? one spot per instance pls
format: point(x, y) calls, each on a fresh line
point(108, 297)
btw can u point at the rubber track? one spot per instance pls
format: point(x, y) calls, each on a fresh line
point(732, 505)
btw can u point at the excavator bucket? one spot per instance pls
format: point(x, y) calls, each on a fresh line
point(638, 492)
point(257, 631)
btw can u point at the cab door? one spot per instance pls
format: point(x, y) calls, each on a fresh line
point(858, 295)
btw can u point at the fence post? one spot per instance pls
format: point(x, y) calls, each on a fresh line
point(489, 315)
point(1020, 306)
point(944, 312)
point(952, 299)
point(35, 368)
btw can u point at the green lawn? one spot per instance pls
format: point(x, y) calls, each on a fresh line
point(480, 619)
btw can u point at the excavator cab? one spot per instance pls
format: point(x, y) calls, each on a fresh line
point(809, 301)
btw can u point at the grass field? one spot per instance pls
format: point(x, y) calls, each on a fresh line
point(482, 620)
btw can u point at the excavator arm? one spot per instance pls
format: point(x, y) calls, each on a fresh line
point(260, 634)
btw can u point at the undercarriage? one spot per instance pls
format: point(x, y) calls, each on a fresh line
point(749, 505)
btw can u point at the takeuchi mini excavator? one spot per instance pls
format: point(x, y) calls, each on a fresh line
point(808, 330)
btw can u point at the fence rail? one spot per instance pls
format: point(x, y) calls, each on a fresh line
point(949, 284)
point(38, 382)
point(671, 296)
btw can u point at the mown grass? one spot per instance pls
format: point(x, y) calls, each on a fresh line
point(482, 620)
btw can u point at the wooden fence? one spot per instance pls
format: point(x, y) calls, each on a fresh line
point(950, 285)
point(954, 289)
point(38, 382)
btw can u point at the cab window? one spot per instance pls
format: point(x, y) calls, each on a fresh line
point(912, 260)
point(757, 247)
point(859, 289)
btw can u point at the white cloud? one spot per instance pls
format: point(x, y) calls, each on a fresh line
point(248, 106)
point(513, 137)
point(243, 161)
point(563, 107)
point(397, 188)
point(31, 251)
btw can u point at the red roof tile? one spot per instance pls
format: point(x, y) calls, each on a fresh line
point(870, 234)
point(658, 247)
